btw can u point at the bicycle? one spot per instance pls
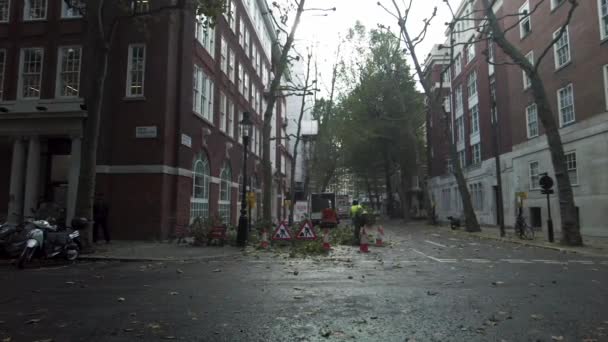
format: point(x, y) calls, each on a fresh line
point(522, 229)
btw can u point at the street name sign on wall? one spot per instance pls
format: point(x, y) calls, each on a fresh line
point(186, 140)
point(146, 132)
point(282, 233)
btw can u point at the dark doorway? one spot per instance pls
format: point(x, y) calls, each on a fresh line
point(536, 220)
point(497, 201)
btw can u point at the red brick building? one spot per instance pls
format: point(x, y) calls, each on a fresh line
point(170, 145)
point(575, 75)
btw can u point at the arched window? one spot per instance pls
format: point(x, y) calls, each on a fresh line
point(199, 202)
point(225, 194)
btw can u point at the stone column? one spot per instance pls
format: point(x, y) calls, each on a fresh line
point(15, 201)
point(73, 179)
point(32, 178)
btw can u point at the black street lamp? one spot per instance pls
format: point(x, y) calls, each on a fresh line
point(246, 125)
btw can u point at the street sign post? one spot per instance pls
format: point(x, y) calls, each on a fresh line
point(546, 183)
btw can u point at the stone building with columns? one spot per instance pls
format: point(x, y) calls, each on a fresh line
point(170, 147)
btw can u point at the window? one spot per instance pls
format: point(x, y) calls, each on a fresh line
point(450, 165)
point(75, 9)
point(247, 42)
point(2, 71)
point(224, 56)
point(199, 202)
point(223, 111)
point(230, 118)
point(525, 22)
point(532, 121)
point(446, 104)
point(472, 84)
point(254, 56)
point(30, 77)
point(68, 71)
point(556, 3)
point(5, 11)
point(476, 151)
point(605, 68)
point(470, 52)
point(136, 70)
point(141, 6)
point(561, 49)
point(225, 194)
point(34, 10)
point(205, 34)
point(477, 195)
point(230, 14)
point(458, 99)
point(460, 129)
point(231, 65)
point(565, 101)
point(242, 32)
point(527, 80)
point(462, 158)
point(246, 86)
point(241, 78)
point(458, 65)
point(203, 90)
point(491, 57)
point(534, 175)
point(571, 166)
point(603, 13)
point(255, 97)
point(475, 119)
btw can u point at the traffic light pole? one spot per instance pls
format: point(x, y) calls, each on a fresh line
point(549, 220)
point(546, 183)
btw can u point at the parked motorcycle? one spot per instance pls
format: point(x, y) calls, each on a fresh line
point(13, 238)
point(47, 241)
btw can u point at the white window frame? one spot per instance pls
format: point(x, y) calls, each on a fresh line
point(557, 47)
point(529, 110)
point(71, 13)
point(241, 31)
point(205, 35)
point(20, 94)
point(230, 118)
point(225, 203)
point(525, 18)
point(129, 92)
point(224, 55)
point(247, 44)
point(476, 153)
point(246, 86)
point(472, 84)
point(3, 53)
point(470, 51)
point(570, 167)
point(563, 123)
point(532, 177)
point(602, 11)
point(60, 71)
point(241, 80)
point(605, 72)
point(527, 80)
point(6, 11)
point(458, 65)
point(200, 203)
point(475, 129)
point(27, 10)
point(231, 65)
point(462, 158)
point(223, 111)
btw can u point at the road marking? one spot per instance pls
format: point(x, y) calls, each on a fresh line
point(584, 262)
point(435, 259)
point(604, 262)
point(479, 261)
point(550, 262)
point(516, 261)
point(435, 243)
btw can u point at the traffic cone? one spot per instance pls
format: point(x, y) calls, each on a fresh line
point(364, 244)
point(380, 237)
point(264, 243)
point(326, 245)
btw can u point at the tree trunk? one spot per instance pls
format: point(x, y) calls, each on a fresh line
point(272, 98)
point(470, 218)
point(571, 234)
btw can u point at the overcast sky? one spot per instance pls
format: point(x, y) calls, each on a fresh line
point(325, 31)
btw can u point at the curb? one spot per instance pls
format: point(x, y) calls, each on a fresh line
point(529, 244)
point(153, 259)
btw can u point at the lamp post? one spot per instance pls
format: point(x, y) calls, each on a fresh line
point(241, 237)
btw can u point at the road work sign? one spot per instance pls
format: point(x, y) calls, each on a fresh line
point(282, 233)
point(306, 232)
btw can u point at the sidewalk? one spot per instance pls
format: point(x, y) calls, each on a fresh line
point(594, 246)
point(155, 251)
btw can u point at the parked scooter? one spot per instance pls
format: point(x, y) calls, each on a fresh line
point(13, 238)
point(47, 242)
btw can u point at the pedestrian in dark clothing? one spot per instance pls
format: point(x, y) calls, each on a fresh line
point(100, 216)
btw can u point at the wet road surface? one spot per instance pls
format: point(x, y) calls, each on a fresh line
point(427, 285)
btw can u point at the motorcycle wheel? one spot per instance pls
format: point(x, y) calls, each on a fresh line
point(25, 256)
point(71, 254)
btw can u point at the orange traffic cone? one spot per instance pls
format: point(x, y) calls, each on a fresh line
point(364, 244)
point(326, 245)
point(380, 237)
point(264, 243)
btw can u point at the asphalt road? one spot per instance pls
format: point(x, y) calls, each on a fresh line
point(428, 285)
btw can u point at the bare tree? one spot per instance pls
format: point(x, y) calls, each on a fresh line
point(435, 105)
